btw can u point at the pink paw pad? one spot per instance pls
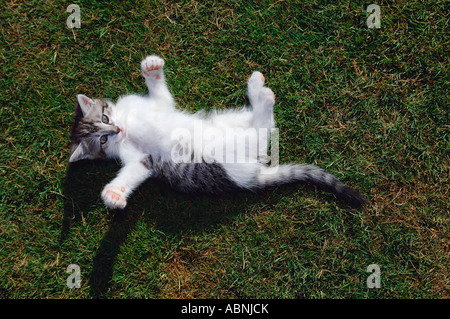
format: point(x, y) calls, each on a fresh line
point(150, 64)
point(113, 198)
point(112, 195)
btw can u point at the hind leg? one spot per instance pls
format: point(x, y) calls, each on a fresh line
point(262, 100)
point(254, 85)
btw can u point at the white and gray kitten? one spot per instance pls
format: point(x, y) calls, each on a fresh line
point(214, 153)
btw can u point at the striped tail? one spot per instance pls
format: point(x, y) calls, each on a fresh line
point(309, 174)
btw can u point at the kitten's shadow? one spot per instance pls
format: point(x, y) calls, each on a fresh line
point(82, 185)
point(169, 211)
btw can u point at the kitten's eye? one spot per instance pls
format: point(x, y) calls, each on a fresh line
point(105, 119)
point(103, 139)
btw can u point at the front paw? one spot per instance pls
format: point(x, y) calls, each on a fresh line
point(150, 64)
point(114, 196)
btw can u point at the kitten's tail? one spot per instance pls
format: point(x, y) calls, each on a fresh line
point(310, 174)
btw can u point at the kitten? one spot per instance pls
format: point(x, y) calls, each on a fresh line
point(214, 153)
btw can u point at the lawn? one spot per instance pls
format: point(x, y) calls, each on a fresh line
point(370, 105)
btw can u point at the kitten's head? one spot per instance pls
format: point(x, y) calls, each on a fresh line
point(95, 131)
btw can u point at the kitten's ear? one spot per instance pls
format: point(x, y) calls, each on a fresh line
point(85, 103)
point(79, 152)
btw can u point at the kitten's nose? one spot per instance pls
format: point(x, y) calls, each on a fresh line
point(114, 130)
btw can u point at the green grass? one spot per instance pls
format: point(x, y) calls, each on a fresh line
point(369, 105)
